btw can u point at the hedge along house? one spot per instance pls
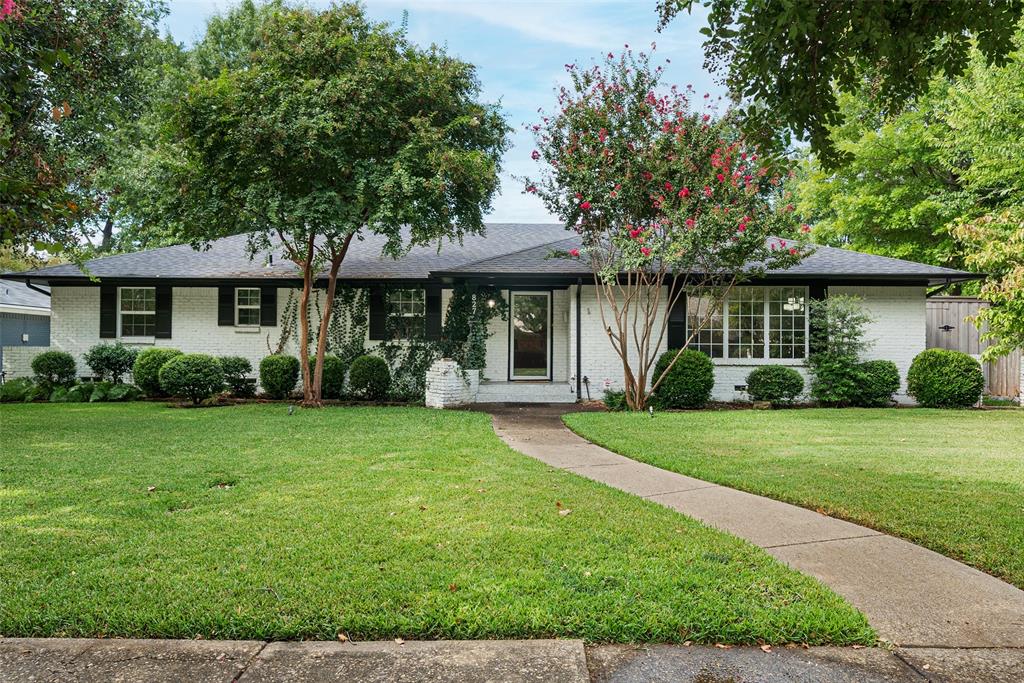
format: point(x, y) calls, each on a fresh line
point(551, 348)
point(24, 325)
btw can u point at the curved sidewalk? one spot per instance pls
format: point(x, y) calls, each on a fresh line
point(913, 597)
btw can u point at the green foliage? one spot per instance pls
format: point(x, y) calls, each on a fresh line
point(80, 393)
point(939, 378)
point(470, 311)
point(668, 196)
point(19, 390)
point(410, 151)
point(72, 82)
point(370, 378)
point(194, 376)
point(879, 380)
point(838, 325)
point(835, 379)
point(54, 369)
point(278, 375)
point(333, 375)
point(236, 371)
point(146, 371)
point(111, 361)
point(95, 392)
point(790, 57)
point(778, 384)
point(615, 401)
point(346, 334)
point(688, 383)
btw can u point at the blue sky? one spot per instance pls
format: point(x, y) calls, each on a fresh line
point(520, 49)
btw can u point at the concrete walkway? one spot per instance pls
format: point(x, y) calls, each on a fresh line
point(913, 597)
point(72, 660)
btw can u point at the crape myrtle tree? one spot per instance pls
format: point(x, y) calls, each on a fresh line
point(666, 200)
point(322, 128)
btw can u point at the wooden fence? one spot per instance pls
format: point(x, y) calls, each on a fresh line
point(949, 328)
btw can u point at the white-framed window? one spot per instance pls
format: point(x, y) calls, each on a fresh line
point(247, 306)
point(137, 311)
point(407, 312)
point(752, 323)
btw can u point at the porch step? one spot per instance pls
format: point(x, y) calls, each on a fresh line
point(526, 392)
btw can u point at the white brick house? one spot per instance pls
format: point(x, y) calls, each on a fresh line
point(552, 347)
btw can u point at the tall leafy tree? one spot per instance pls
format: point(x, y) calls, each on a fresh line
point(69, 76)
point(666, 200)
point(898, 194)
point(320, 127)
point(788, 58)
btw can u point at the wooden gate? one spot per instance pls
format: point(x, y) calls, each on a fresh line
point(948, 328)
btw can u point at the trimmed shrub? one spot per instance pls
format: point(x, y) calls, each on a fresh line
point(110, 361)
point(689, 382)
point(333, 381)
point(879, 380)
point(195, 376)
point(20, 390)
point(835, 378)
point(615, 401)
point(236, 376)
point(278, 375)
point(146, 371)
point(370, 377)
point(777, 384)
point(54, 369)
point(945, 379)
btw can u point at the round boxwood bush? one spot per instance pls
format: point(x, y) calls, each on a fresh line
point(110, 361)
point(195, 376)
point(689, 382)
point(370, 377)
point(54, 369)
point(279, 374)
point(146, 371)
point(945, 379)
point(236, 376)
point(332, 383)
point(777, 384)
point(878, 381)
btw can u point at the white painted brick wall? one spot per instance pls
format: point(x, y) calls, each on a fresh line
point(18, 360)
point(75, 325)
point(898, 334)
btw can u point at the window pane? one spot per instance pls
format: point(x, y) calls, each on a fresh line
point(138, 325)
point(746, 322)
point(709, 338)
point(787, 322)
point(248, 316)
point(248, 297)
point(138, 299)
point(407, 312)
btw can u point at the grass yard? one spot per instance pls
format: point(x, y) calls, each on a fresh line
point(952, 481)
point(376, 522)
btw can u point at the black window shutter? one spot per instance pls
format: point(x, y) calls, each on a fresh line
point(378, 313)
point(108, 311)
point(225, 305)
point(677, 323)
point(268, 306)
point(163, 312)
point(817, 292)
point(433, 301)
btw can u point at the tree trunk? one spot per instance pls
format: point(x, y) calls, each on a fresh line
point(108, 234)
point(325, 321)
point(308, 397)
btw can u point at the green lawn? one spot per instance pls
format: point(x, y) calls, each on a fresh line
point(379, 522)
point(950, 480)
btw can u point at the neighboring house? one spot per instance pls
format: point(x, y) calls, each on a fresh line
point(24, 325)
point(553, 347)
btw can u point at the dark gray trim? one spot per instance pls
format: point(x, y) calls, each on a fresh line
point(226, 306)
point(579, 344)
point(378, 313)
point(162, 321)
point(108, 311)
point(432, 308)
point(268, 306)
point(551, 332)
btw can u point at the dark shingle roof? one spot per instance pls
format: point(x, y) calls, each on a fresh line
point(505, 249)
point(14, 293)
